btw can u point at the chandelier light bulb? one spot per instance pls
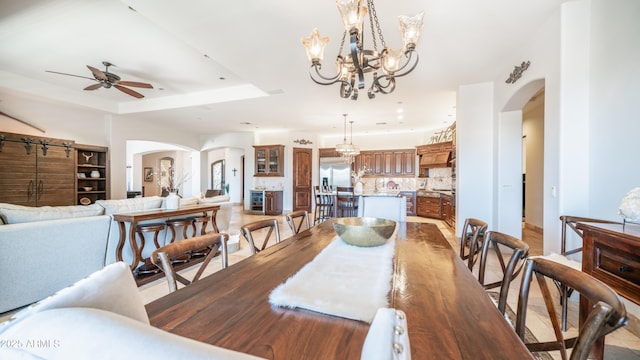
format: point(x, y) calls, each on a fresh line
point(410, 28)
point(315, 44)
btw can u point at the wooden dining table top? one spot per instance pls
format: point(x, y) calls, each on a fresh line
point(449, 315)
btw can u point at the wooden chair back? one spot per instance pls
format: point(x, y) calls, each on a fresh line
point(606, 315)
point(162, 257)
point(471, 240)
point(519, 253)
point(270, 227)
point(296, 220)
point(346, 201)
point(324, 204)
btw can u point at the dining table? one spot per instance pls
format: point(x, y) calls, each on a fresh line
point(448, 313)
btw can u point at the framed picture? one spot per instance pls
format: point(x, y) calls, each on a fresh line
point(148, 174)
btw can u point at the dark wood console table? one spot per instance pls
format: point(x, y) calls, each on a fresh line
point(611, 253)
point(135, 217)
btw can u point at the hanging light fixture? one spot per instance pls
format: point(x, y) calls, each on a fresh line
point(385, 65)
point(347, 151)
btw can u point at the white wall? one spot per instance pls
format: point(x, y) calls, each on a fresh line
point(614, 89)
point(474, 146)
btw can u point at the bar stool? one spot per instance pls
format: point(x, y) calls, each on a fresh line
point(203, 220)
point(141, 229)
point(173, 224)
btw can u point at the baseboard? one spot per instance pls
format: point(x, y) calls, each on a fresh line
point(533, 228)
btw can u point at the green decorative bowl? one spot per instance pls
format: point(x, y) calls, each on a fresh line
point(365, 231)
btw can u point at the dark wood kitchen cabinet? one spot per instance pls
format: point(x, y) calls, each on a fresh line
point(429, 206)
point(448, 210)
point(396, 163)
point(269, 160)
point(273, 203)
point(36, 171)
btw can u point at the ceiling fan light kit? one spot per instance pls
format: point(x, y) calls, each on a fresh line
point(385, 65)
point(108, 79)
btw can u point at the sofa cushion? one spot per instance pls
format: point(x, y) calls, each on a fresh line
point(14, 214)
point(112, 289)
point(82, 333)
point(129, 205)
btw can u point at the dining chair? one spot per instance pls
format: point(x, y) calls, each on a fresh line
point(471, 240)
point(387, 337)
point(296, 220)
point(606, 314)
point(346, 202)
point(268, 227)
point(385, 207)
point(566, 250)
point(324, 204)
point(519, 253)
point(162, 257)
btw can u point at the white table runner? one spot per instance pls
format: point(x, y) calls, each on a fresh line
point(342, 280)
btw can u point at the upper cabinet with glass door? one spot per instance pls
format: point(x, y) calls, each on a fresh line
point(269, 160)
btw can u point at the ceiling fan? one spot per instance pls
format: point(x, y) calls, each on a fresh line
point(107, 79)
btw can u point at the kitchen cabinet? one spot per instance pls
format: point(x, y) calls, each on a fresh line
point(92, 171)
point(269, 160)
point(411, 201)
point(429, 206)
point(36, 171)
point(448, 210)
point(267, 202)
point(396, 163)
point(436, 155)
point(273, 202)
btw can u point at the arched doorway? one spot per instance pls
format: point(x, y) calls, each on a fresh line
point(521, 202)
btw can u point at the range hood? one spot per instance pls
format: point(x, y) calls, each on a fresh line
point(435, 160)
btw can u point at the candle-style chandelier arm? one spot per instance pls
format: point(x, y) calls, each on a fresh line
point(321, 79)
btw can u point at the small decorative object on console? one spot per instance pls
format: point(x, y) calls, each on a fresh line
point(630, 206)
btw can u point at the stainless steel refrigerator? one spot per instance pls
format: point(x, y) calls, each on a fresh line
point(334, 172)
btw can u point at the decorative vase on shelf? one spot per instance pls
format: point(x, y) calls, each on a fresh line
point(172, 202)
point(358, 187)
point(95, 174)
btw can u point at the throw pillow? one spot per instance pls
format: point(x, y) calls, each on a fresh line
point(112, 289)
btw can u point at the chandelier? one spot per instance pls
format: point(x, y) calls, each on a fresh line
point(386, 65)
point(347, 151)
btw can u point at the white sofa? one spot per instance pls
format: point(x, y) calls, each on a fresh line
point(43, 249)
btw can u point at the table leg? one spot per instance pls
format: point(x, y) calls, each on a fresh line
point(137, 253)
point(213, 220)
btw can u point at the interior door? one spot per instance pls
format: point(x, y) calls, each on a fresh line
point(302, 160)
point(18, 173)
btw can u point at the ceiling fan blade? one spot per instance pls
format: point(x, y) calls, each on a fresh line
point(94, 86)
point(129, 91)
point(136, 84)
point(60, 73)
point(97, 73)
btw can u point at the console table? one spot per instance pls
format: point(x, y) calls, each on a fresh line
point(611, 254)
point(136, 216)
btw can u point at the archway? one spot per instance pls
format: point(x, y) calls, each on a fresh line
point(511, 164)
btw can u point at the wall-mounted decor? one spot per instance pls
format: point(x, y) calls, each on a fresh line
point(148, 174)
point(517, 72)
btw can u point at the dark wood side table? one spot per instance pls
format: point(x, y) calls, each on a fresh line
point(611, 253)
point(134, 217)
